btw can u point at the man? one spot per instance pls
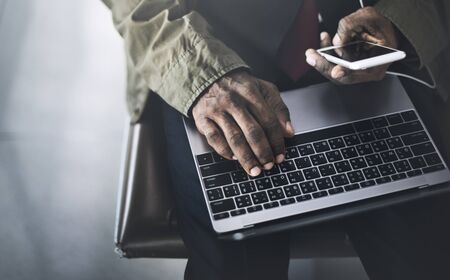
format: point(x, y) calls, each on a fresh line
point(192, 53)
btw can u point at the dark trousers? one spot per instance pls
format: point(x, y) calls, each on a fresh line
point(409, 241)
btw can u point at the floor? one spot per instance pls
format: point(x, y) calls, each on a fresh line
point(62, 114)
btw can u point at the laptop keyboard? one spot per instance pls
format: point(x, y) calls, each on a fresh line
point(321, 163)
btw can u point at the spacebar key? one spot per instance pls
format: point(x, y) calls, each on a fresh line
point(217, 168)
point(223, 205)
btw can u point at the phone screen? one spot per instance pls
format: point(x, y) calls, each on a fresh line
point(358, 51)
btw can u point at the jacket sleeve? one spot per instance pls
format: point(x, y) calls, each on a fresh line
point(171, 48)
point(421, 22)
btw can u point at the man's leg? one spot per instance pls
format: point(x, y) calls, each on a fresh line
point(262, 258)
point(410, 241)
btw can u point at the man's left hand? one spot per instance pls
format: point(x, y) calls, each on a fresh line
point(366, 24)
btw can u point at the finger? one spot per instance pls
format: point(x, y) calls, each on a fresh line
point(255, 136)
point(238, 144)
point(214, 137)
point(325, 40)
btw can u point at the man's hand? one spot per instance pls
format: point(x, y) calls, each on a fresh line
point(244, 118)
point(366, 24)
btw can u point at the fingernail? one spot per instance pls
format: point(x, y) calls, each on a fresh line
point(309, 51)
point(338, 74)
point(323, 35)
point(268, 166)
point(255, 171)
point(234, 157)
point(289, 127)
point(279, 158)
point(311, 61)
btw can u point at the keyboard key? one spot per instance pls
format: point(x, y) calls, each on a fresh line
point(388, 156)
point(402, 166)
point(364, 149)
point(432, 159)
point(319, 135)
point(217, 168)
point(221, 216)
point(287, 201)
point(394, 143)
point(423, 148)
point(324, 183)
point(243, 201)
point(415, 138)
point(306, 150)
point(259, 197)
point(355, 176)
point(275, 170)
point(287, 165)
point(380, 146)
point(409, 116)
point(204, 159)
point(381, 133)
point(367, 184)
point(339, 180)
point(336, 143)
point(349, 152)
point(222, 205)
point(230, 191)
point(363, 125)
point(358, 163)
point(383, 180)
point(404, 153)
point(320, 194)
point(351, 140)
point(308, 187)
point(217, 157)
point(291, 153)
point(321, 146)
point(318, 159)
point(367, 136)
point(247, 187)
point(275, 194)
point(342, 166)
point(351, 187)
point(413, 173)
point(399, 176)
point(333, 156)
point(295, 177)
point(374, 159)
point(305, 197)
point(380, 122)
point(216, 181)
point(311, 173)
point(239, 176)
point(303, 162)
point(238, 212)
point(371, 173)
point(405, 128)
point(327, 170)
point(270, 205)
point(433, 168)
point(279, 180)
point(386, 169)
point(292, 190)
point(214, 194)
point(263, 184)
point(335, 190)
point(255, 208)
point(417, 162)
point(394, 119)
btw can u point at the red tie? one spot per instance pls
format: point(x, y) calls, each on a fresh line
point(303, 34)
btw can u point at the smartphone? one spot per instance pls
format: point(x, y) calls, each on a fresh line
point(361, 55)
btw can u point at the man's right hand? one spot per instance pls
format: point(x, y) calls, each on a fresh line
point(244, 118)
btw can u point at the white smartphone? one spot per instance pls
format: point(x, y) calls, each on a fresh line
point(361, 55)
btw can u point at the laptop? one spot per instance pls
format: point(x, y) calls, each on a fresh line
point(355, 148)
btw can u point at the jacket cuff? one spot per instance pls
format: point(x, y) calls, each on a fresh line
point(196, 69)
point(414, 21)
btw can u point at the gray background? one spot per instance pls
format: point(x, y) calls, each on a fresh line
point(62, 114)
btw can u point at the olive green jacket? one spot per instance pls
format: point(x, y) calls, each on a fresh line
point(177, 48)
